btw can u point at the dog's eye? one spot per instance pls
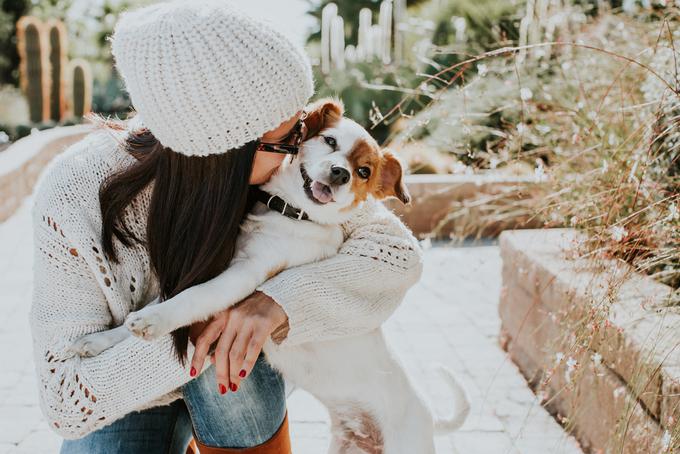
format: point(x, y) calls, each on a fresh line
point(364, 172)
point(330, 141)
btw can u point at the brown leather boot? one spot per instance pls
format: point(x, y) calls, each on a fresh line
point(279, 443)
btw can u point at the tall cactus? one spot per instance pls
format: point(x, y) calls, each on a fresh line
point(364, 43)
point(80, 87)
point(58, 48)
point(381, 40)
point(328, 14)
point(385, 21)
point(33, 46)
point(338, 42)
point(399, 19)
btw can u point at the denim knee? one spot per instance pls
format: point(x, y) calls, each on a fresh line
point(241, 419)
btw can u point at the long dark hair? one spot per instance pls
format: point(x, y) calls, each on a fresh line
point(197, 205)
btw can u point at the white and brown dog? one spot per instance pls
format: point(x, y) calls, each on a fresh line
point(376, 410)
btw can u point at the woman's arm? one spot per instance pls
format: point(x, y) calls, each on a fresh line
point(80, 395)
point(356, 290)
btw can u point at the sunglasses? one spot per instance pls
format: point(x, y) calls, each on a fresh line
point(289, 144)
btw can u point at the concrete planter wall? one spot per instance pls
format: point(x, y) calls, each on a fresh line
point(614, 381)
point(23, 161)
point(435, 197)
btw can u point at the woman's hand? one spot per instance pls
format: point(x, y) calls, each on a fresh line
point(240, 332)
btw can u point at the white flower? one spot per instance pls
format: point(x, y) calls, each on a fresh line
point(666, 441)
point(482, 69)
point(597, 359)
point(459, 167)
point(521, 128)
point(618, 233)
point(543, 129)
point(4, 138)
point(612, 140)
point(673, 213)
point(605, 166)
point(618, 392)
point(526, 94)
point(571, 367)
point(539, 173)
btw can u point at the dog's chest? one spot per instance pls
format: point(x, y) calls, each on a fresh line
point(295, 242)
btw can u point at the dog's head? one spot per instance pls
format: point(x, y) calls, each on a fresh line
point(339, 166)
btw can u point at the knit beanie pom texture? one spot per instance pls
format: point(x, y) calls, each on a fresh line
point(207, 78)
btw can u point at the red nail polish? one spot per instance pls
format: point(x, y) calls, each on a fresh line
point(223, 389)
point(242, 374)
point(233, 387)
point(192, 372)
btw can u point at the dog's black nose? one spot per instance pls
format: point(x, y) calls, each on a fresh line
point(339, 175)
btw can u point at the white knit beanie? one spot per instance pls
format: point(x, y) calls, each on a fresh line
point(206, 78)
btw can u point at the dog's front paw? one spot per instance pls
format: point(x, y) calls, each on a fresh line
point(147, 324)
point(90, 345)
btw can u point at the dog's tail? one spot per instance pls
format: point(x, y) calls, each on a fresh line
point(443, 426)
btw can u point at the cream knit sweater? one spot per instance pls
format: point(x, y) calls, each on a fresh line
point(77, 291)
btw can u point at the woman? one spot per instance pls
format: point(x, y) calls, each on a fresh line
point(129, 215)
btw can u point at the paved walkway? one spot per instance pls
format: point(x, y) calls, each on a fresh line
point(450, 317)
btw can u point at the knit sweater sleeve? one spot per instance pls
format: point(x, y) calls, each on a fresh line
point(71, 298)
point(356, 290)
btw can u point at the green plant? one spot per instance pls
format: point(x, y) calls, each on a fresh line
point(45, 70)
point(58, 56)
point(33, 50)
point(81, 87)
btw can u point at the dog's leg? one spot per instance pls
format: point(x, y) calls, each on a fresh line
point(199, 302)
point(95, 343)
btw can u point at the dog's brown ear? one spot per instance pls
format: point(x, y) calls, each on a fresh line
point(392, 178)
point(322, 114)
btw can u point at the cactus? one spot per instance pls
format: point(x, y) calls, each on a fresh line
point(376, 39)
point(45, 70)
point(327, 15)
point(380, 40)
point(33, 46)
point(399, 19)
point(385, 21)
point(58, 46)
point(338, 42)
point(364, 43)
point(80, 87)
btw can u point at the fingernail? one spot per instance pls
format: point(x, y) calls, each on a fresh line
point(192, 372)
point(242, 374)
point(223, 389)
point(233, 387)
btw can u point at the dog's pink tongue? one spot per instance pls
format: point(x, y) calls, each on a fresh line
point(321, 192)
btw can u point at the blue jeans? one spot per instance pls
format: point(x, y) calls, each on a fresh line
point(242, 419)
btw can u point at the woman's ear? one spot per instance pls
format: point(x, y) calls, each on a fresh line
point(391, 178)
point(323, 114)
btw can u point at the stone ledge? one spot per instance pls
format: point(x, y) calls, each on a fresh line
point(24, 160)
point(434, 197)
point(546, 295)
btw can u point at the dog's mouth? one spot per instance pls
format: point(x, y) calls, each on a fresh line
point(316, 191)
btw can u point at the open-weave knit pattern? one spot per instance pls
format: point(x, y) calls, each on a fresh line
point(207, 78)
point(78, 291)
